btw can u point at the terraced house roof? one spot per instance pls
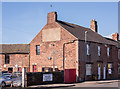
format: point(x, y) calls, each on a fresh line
point(14, 48)
point(79, 32)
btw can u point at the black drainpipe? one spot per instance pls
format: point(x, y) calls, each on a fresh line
point(64, 55)
point(29, 57)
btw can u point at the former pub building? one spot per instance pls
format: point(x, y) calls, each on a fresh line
point(61, 45)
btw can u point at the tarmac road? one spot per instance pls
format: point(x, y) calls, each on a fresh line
point(111, 84)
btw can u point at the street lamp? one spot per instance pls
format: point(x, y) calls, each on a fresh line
point(53, 57)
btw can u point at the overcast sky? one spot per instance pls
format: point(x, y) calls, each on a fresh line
point(21, 22)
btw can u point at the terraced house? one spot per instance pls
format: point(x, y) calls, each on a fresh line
point(14, 57)
point(62, 46)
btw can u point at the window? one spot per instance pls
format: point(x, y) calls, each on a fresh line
point(19, 69)
point(43, 69)
point(7, 59)
point(108, 51)
point(88, 49)
point(47, 69)
point(88, 69)
point(98, 50)
point(118, 53)
point(37, 49)
point(34, 68)
point(118, 68)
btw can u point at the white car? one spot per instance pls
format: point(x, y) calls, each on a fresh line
point(6, 80)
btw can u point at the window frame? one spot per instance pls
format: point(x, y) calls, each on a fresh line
point(108, 51)
point(37, 50)
point(119, 69)
point(119, 54)
point(88, 49)
point(7, 59)
point(88, 68)
point(99, 51)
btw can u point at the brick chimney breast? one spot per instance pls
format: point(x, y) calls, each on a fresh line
point(93, 25)
point(115, 36)
point(51, 17)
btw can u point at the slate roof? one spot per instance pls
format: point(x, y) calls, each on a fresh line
point(79, 32)
point(14, 48)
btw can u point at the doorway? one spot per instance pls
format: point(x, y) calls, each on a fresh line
point(10, 69)
point(104, 72)
point(99, 71)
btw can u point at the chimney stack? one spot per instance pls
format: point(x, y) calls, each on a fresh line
point(115, 36)
point(51, 17)
point(93, 25)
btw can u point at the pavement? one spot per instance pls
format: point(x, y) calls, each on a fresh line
point(88, 83)
point(106, 84)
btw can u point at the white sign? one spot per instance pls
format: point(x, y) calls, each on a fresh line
point(47, 77)
point(109, 71)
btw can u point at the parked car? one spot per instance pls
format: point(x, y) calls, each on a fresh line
point(17, 82)
point(1, 73)
point(7, 80)
point(6, 74)
point(18, 74)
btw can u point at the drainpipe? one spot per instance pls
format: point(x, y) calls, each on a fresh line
point(29, 57)
point(64, 54)
point(85, 51)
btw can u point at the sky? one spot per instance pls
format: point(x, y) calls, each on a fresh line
point(21, 21)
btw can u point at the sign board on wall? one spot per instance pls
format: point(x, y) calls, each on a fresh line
point(47, 77)
point(52, 34)
point(109, 71)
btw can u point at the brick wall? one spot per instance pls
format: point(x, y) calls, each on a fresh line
point(46, 50)
point(22, 60)
point(94, 59)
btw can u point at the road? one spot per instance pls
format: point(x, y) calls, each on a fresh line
point(85, 85)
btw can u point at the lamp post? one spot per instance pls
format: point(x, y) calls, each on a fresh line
point(85, 51)
point(53, 57)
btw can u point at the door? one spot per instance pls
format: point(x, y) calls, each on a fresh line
point(99, 71)
point(10, 70)
point(19, 69)
point(34, 68)
point(104, 72)
point(70, 75)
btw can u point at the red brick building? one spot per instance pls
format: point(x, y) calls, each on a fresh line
point(14, 57)
point(61, 45)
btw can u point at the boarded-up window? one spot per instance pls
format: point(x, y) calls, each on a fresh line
point(88, 69)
